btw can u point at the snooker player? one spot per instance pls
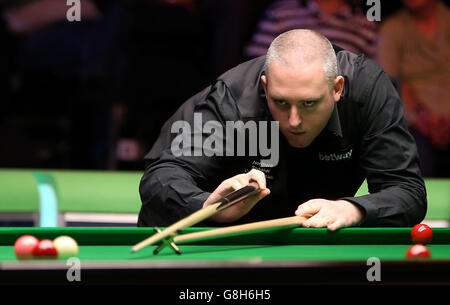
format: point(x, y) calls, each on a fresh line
point(340, 121)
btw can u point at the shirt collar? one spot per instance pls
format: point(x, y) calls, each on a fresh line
point(334, 123)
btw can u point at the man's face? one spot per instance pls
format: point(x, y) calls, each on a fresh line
point(301, 101)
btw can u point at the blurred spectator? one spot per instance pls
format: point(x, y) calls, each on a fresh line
point(60, 78)
point(342, 23)
point(414, 46)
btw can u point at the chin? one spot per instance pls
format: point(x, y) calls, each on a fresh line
point(298, 144)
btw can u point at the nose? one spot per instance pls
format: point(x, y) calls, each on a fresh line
point(294, 117)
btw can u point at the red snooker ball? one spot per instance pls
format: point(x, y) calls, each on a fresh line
point(421, 234)
point(24, 246)
point(45, 249)
point(418, 251)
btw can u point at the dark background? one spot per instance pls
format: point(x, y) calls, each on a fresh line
point(94, 94)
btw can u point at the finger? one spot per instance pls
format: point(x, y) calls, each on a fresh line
point(337, 224)
point(229, 186)
point(241, 180)
point(257, 176)
point(319, 220)
point(260, 179)
point(263, 193)
point(237, 184)
point(251, 201)
point(308, 208)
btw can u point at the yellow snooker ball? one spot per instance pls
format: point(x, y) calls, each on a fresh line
point(66, 246)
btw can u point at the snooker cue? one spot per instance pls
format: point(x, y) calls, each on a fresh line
point(279, 223)
point(202, 214)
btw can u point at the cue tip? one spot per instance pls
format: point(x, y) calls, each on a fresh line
point(132, 250)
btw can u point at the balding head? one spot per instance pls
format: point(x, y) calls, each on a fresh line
point(302, 48)
point(301, 85)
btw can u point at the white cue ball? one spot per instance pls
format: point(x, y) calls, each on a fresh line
point(66, 246)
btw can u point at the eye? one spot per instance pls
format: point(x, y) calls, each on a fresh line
point(309, 103)
point(280, 102)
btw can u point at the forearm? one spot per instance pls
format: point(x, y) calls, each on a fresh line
point(390, 162)
point(396, 206)
point(168, 194)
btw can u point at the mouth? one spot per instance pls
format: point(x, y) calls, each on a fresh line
point(296, 132)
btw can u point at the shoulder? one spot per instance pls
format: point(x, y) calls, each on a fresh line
point(245, 75)
point(353, 66)
point(362, 76)
point(243, 86)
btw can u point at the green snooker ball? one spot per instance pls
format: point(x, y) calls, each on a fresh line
point(66, 246)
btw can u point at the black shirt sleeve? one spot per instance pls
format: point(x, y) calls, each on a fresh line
point(388, 155)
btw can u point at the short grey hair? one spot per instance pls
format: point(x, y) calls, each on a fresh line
point(305, 46)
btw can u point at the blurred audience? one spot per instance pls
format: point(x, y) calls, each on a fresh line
point(414, 46)
point(109, 82)
point(106, 85)
point(341, 21)
point(30, 16)
point(48, 76)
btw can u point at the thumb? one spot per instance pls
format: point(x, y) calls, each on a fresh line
point(263, 193)
point(257, 197)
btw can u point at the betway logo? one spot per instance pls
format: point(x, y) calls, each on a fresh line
point(335, 157)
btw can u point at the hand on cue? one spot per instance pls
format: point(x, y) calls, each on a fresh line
point(249, 190)
point(234, 183)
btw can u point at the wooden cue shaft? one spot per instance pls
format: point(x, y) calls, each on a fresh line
point(279, 223)
point(200, 215)
point(185, 222)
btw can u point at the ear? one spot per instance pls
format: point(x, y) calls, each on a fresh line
point(338, 88)
point(264, 83)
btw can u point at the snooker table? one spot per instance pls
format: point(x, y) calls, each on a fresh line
point(74, 198)
point(269, 257)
